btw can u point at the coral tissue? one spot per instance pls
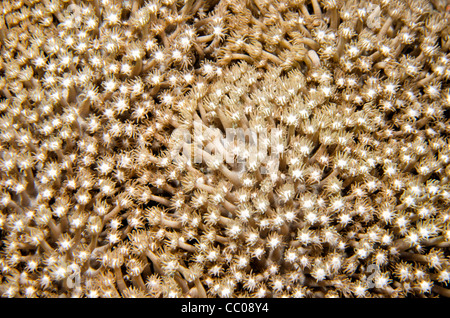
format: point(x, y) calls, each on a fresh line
point(225, 148)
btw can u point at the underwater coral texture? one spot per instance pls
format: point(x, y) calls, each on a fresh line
point(224, 148)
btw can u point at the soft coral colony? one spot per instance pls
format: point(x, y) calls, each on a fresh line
point(98, 199)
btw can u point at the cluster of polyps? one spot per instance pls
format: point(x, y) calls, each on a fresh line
point(194, 148)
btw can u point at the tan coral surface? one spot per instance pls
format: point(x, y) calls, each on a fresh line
point(120, 175)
